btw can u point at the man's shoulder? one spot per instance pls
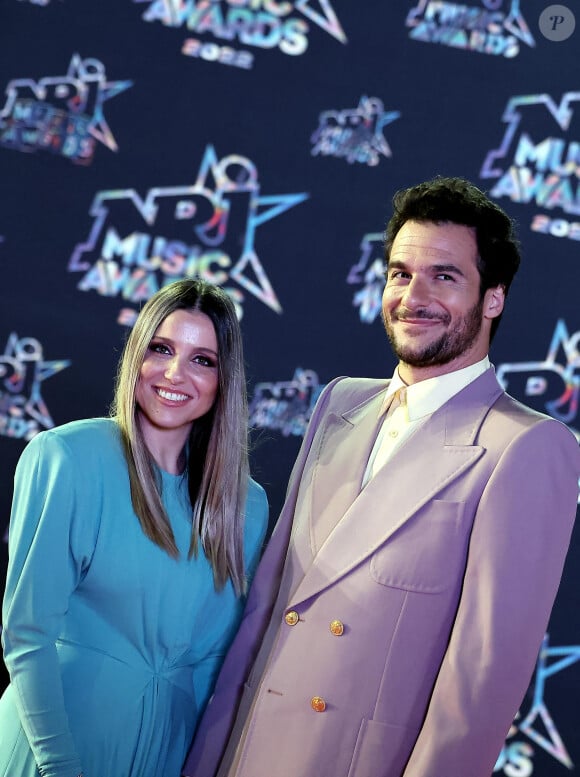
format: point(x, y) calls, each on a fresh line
point(517, 412)
point(346, 392)
point(514, 415)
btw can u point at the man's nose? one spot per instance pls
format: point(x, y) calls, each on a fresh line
point(417, 292)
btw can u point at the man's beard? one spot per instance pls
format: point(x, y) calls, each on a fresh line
point(452, 343)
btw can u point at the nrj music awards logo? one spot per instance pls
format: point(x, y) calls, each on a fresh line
point(62, 115)
point(355, 134)
point(285, 406)
point(263, 24)
point(550, 385)
point(204, 230)
point(23, 412)
point(538, 161)
point(368, 277)
point(485, 28)
point(538, 724)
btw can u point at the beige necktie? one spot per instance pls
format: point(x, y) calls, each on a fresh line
point(395, 400)
point(396, 403)
point(399, 399)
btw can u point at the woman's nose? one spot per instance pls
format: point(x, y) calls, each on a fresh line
point(174, 371)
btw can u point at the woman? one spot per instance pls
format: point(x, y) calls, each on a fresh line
point(131, 542)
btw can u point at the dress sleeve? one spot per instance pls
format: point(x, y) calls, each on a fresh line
point(257, 510)
point(42, 572)
point(256, 524)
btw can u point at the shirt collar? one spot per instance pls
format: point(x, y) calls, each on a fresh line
point(429, 395)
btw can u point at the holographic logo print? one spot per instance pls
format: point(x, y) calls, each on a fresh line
point(538, 725)
point(368, 275)
point(203, 230)
point(354, 134)
point(538, 160)
point(62, 115)
point(23, 412)
point(549, 386)
point(485, 29)
point(258, 24)
point(285, 406)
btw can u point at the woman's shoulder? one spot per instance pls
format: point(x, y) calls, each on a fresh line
point(257, 511)
point(255, 523)
point(87, 436)
point(256, 497)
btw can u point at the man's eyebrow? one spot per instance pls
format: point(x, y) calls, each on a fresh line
point(399, 264)
point(451, 268)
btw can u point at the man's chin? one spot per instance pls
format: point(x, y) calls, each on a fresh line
point(424, 357)
point(416, 353)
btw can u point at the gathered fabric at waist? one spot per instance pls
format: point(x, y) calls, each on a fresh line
point(96, 665)
point(154, 706)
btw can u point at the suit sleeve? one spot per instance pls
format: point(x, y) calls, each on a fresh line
point(517, 550)
point(212, 735)
point(42, 572)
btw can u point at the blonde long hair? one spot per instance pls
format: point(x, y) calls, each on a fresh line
point(217, 465)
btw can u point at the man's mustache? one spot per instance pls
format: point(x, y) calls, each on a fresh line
point(421, 314)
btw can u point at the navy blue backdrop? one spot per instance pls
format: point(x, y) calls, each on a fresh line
point(257, 144)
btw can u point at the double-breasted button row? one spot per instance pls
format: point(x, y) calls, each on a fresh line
point(336, 627)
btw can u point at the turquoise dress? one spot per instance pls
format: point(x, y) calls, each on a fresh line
point(112, 645)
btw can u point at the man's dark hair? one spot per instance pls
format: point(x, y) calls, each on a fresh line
point(455, 200)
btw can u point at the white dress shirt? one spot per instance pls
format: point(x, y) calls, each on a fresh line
point(420, 401)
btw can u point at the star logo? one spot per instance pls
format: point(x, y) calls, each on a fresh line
point(206, 230)
point(548, 386)
point(538, 725)
point(243, 21)
point(22, 371)
point(355, 134)
point(61, 114)
point(84, 73)
point(325, 17)
point(562, 114)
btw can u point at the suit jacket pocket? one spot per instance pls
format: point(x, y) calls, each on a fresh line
point(426, 552)
point(381, 750)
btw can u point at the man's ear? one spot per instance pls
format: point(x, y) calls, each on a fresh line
point(494, 301)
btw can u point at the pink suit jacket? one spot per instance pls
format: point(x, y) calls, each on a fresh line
point(442, 570)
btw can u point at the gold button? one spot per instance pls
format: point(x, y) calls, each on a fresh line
point(337, 628)
point(291, 618)
point(393, 433)
point(318, 704)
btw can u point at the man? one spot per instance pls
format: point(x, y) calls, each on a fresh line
point(394, 622)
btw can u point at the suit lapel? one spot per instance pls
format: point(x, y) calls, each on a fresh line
point(353, 523)
point(327, 491)
point(349, 440)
